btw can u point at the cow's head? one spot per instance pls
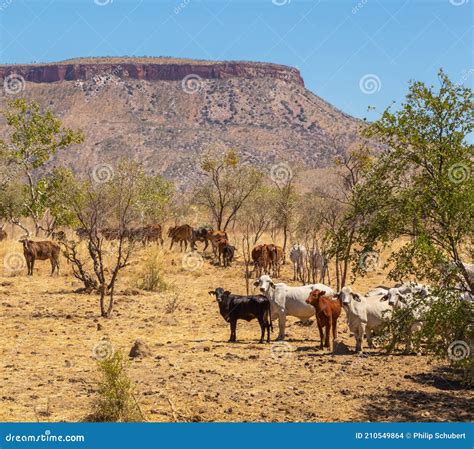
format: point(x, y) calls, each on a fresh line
point(219, 293)
point(264, 283)
point(314, 296)
point(25, 242)
point(346, 295)
point(395, 296)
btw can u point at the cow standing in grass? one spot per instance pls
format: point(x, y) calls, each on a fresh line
point(42, 251)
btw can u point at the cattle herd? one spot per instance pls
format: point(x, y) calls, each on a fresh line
point(365, 313)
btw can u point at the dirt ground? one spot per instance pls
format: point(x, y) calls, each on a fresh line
point(48, 371)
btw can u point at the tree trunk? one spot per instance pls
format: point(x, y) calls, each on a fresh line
point(285, 238)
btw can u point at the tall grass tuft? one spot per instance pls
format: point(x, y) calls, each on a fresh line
point(151, 277)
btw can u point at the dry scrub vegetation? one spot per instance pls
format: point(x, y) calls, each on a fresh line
point(48, 371)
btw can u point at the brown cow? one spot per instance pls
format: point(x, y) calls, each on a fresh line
point(41, 251)
point(226, 252)
point(214, 237)
point(182, 233)
point(153, 233)
point(275, 254)
point(261, 259)
point(328, 309)
point(110, 233)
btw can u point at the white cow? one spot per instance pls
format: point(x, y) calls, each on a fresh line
point(286, 300)
point(377, 291)
point(298, 256)
point(407, 296)
point(364, 314)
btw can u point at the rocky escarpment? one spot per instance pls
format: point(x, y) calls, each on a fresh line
point(140, 108)
point(151, 70)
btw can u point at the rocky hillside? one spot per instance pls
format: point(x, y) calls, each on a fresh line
point(166, 112)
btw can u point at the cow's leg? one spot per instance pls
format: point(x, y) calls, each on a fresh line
point(268, 325)
point(334, 330)
point(320, 328)
point(281, 325)
point(28, 267)
point(262, 323)
point(328, 331)
point(171, 246)
point(370, 342)
point(359, 336)
point(233, 331)
point(53, 265)
point(32, 266)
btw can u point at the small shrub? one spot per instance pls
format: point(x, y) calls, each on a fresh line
point(116, 401)
point(151, 278)
point(172, 302)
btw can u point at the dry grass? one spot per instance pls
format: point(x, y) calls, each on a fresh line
point(48, 371)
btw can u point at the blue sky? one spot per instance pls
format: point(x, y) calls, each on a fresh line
point(351, 53)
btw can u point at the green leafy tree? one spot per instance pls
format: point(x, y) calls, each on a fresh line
point(227, 185)
point(421, 186)
point(35, 136)
point(421, 190)
point(120, 203)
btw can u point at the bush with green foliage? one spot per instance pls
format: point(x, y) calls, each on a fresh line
point(150, 277)
point(116, 401)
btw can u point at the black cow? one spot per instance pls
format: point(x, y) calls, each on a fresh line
point(236, 307)
point(227, 252)
point(201, 235)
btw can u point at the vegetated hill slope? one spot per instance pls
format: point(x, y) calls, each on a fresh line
point(167, 112)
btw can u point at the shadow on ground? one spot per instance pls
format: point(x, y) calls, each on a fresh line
point(407, 405)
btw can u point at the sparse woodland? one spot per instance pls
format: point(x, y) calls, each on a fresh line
point(403, 213)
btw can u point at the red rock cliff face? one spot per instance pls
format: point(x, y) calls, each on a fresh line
point(50, 73)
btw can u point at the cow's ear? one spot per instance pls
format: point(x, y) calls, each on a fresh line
point(212, 292)
point(384, 298)
point(255, 284)
point(272, 285)
point(227, 293)
point(356, 297)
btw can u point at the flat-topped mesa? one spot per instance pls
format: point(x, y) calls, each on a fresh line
point(155, 69)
